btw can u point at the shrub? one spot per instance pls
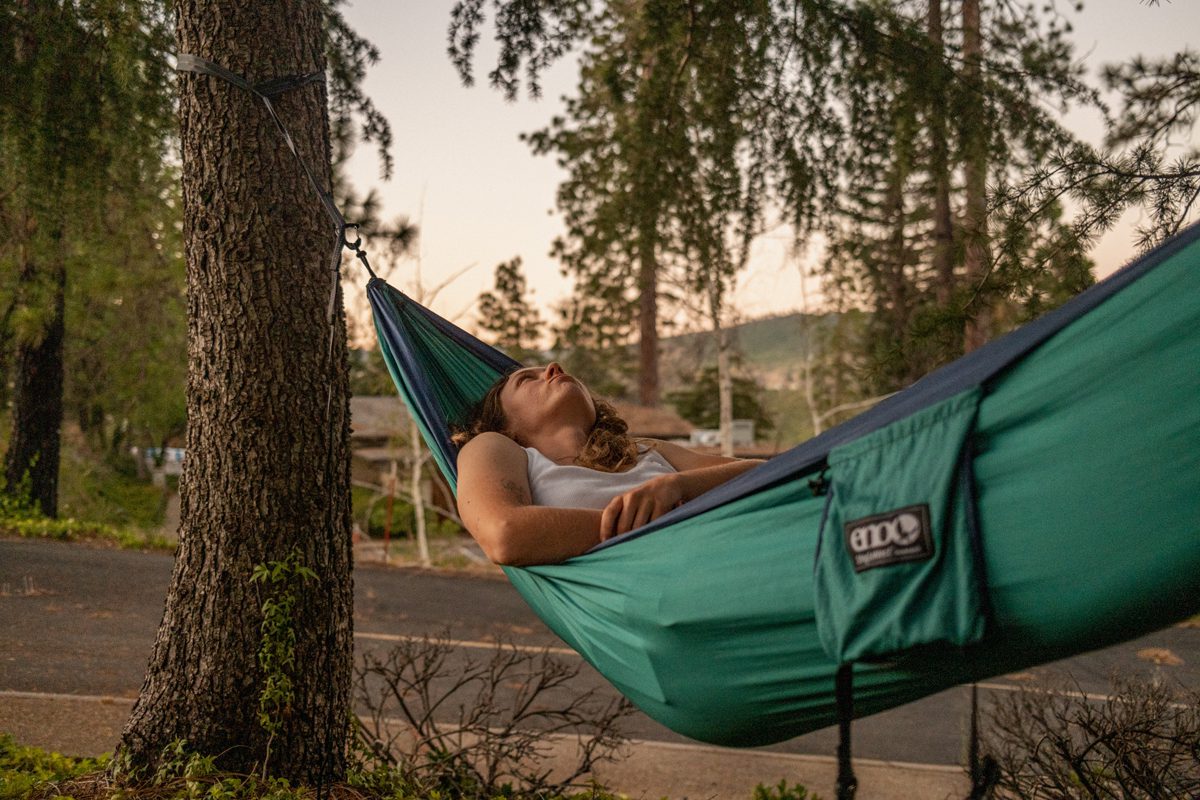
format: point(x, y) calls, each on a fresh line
point(1057, 742)
point(71, 530)
point(782, 791)
point(478, 729)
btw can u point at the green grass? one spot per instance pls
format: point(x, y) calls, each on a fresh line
point(98, 500)
point(93, 489)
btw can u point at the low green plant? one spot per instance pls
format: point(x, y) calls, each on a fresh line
point(20, 516)
point(16, 502)
point(107, 489)
point(72, 530)
point(277, 646)
point(182, 774)
point(782, 791)
point(24, 769)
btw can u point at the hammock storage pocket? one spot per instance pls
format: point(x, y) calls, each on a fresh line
point(898, 561)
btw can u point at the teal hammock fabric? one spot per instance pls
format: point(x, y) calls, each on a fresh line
point(1036, 499)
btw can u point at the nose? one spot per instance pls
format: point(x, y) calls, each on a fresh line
point(553, 370)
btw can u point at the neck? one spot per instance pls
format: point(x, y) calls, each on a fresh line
point(562, 445)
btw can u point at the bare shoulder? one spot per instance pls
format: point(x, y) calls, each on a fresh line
point(489, 446)
point(492, 460)
point(492, 480)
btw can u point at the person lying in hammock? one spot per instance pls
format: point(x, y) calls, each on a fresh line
point(546, 470)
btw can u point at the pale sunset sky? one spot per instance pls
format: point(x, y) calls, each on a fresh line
point(481, 197)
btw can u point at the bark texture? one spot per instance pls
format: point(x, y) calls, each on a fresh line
point(978, 326)
point(943, 229)
point(267, 464)
point(37, 399)
point(648, 388)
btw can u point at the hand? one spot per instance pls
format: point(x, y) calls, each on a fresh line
point(638, 506)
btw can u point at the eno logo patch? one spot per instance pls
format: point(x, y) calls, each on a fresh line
point(892, 538)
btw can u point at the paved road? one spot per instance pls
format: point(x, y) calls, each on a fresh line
point(80, 619)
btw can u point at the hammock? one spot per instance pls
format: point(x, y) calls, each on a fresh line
point(1060, 472)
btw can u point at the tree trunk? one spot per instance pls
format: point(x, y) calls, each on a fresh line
point(648, 391)
point(943, 226)
point(267, 466)
point(6, 341)
point(724, 378)
point(37, 384)
point(646, 211)
point(978, 325)
point(418, 497)
point(894, 303)
point(37, 394)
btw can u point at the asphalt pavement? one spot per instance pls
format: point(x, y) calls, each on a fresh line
point(77, 622)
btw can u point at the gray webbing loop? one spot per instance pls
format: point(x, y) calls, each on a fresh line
point(265, 90)
point(187, 62)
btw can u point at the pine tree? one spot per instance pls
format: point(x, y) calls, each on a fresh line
point(1148, 161)
point(936, 285)
point(883, 124)
point(505, 313)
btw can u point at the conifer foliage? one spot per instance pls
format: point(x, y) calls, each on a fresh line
point(507, 314)
point(86, 226)
point(915, 140)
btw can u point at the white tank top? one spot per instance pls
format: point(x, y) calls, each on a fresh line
point(571, 486)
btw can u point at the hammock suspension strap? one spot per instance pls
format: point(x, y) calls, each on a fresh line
point(266, 91)
point(847, 784)
point(985, 772)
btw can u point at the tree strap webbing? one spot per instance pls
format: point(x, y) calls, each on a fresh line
point(986, 772)
point(187, 62)
point(265, 90)
point(847, 784)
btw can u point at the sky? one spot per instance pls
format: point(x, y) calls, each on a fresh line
point(481, 197)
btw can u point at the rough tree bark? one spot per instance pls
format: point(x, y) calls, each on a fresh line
point(267, 466)
point(978, 325)
point(37, 395)
point(943, 226)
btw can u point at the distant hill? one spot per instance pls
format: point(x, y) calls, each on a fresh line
point(771, 347)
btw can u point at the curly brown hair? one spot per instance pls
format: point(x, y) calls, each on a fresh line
point(609, 447)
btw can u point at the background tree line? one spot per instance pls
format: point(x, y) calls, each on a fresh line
point(915, 143)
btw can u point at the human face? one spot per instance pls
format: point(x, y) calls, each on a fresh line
point(541, 398)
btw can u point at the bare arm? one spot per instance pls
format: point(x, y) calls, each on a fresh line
point(697, 473)
point(700, 472)
point(496, 505)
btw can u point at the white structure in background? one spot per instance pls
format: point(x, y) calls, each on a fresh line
point(743, 435)
point(172, 462)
